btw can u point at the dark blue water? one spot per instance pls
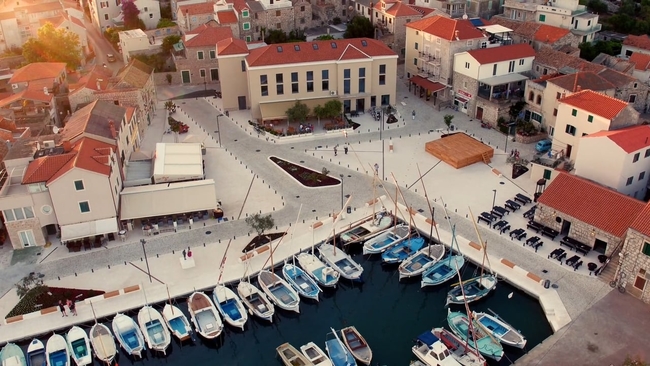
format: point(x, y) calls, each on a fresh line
point(388, 314)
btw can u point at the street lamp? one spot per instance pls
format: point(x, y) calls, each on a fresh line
point(341, 175)
point(143, 242)
point(218, 128)
point(381, 130)
point(494, 198)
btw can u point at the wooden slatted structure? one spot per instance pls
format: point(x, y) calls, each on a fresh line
point(460, 150)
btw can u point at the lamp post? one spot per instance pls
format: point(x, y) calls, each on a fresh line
point(341, 175)
point(143, 242)
point(494, 197)
point(219, 128)
point(381, 130)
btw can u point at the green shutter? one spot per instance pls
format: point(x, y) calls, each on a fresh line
point(547, 174)
point(646, 249)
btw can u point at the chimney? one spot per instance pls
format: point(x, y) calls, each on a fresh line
point(67, 146)
point(111, 126)
point(99, 84)
point(456, 35)
point(578, 88)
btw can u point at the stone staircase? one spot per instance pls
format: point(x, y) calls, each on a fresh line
point(486, 157)
point(610, 271)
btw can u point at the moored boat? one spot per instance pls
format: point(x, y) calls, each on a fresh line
point(177, 322)
point(474, 335)
point(12, 355)
point(419, 262)
point(442, 271)
point(432, 351)
point(325, 275)
point(337, 351)
point(155, 333)
point(79, 346)
point(56, 351)
point(103, 343)
point(379, 243)
point(357, 234)
point(291, 356)
point(315, 355)
point(459, 349)
point(128, 334)
point(204, 316)
point(398, 253)
point(230, 306)
point(340, 262)
point(499, 329)
point(357, 345)
point(36, 353)
point(255, 300)
point(279, 291)
point(473, 289)
point(300, 281)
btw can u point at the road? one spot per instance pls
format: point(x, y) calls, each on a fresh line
point(102, 47)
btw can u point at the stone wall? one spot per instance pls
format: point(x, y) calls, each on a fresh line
point(160, 78)
point(636, 265)
point(469, 85)
point(530, 139)
point(627, 117)
point(579, 230)
point(13, 227)
point(192, 64)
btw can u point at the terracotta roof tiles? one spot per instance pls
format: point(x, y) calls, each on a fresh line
point(197, 9)
point(557, 60)
point(89, 154)
point(596, 103)
point(641, 61)
point(550, 34)
point(37, 71)
point(582, 80)
point(44, 168)
point(642, 41)
point(642, 222)
point(503, 53)
point(227, 17)
point(205, 35)
point(446, 28)
point(135, 74)
point(591, 203)
point(630, 139)
point(231, 46)
point(401, 9)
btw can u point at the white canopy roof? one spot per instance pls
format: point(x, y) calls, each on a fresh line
point(177, 162)
point(88, 229)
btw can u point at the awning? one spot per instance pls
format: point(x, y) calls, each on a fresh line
point(461, 98)
point(427, 84)
point(167, 199)
point(278, 110)
point(88, 229)
point(503, 79)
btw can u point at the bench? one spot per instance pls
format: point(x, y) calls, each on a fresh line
point(534, 226)
point(500, 210)
point(496, 213)
point(519, 234)
point(487, 217)
point(522, 199)
point(575, 245)
point(550, 233)
point(499, 225)
point(512, 205)
point(556, 252)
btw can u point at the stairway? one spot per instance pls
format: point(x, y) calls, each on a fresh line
point(608, 274)
point(486, 158)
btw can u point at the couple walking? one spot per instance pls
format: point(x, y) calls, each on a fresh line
point(71, 305)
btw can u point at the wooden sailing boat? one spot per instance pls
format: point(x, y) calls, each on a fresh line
point(319, 271)
point(176, 321)
point(299, 279)
point(339, 260)
point(227, 302)
point(102, 341)
point(379, 243)
point(254, 299)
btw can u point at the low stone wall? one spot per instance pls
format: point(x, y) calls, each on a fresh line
point(160, 78)
point(530, 139)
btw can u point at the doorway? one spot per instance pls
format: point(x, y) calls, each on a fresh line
point(479, 113)
point(568, 151)
point(566, 227)
point(600, 246)
point(346, 106)
point(361, 105)
point(185, 76)
point(242, 102)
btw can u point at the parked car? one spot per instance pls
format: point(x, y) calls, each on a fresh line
point(543, 146)
point(110, 57)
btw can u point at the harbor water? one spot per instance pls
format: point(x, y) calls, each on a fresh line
point(388, 313)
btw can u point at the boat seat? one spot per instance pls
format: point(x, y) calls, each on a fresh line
point(131, 340)
point(286, 298)
point(209, 326)
point(157, 337)
point(416, 266)
point(80, 350)
point(304, 286)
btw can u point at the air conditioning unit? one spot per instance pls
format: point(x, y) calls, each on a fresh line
point(332, 92)
point(48, 144)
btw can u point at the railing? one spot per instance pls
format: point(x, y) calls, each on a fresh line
point(618, 248)
point(500, 97)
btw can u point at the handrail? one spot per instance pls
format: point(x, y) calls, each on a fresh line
point(615, 252)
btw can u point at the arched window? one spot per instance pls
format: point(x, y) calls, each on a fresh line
point(539, 99)
point(531, 96)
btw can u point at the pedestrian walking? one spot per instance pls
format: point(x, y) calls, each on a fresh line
point(184, 255)
point(62, 308)
point(345, 149)
point(376, 169)
point(336, 149)
point(72, 307)
point(413, 115)
point(189, 253)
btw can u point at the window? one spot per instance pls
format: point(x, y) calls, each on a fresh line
point(325, 83)
point(590, 118)
point(536, 117)
point(470, 43)
point(37, 187)
point(467, 65)
point(511, 66)
point(632, 98)
point(494, 69)
point(570, 130)
point(105, 16)
point(647, 153)
point(346, 81)
point(29, 212)
point(641, 176)
point(214, 74)
point(415, 61)
point(531, 96)
point(79, 185)
point(84, 207)
point(555, 112)
point(635, 85)
point(244, 13)
point(213, 54)
point(264, 85)
point(438, 40)
point(278, 25)
point(202, 73)
point(558, 95)
point(547, 174)
point(27, 238)
point(382, 74)
point(646, 249)
point(247, 26)
point(249, 39)
point(574, 112)
point(302, 8)
point(629, 181)
point(280, 86)
point(521, 62)
point(9, 215)
point(362, 80)
point(243, 66)
point(542, 17)
point(639, 282)
point(310, 81)
point(199, 55)
point(294, 83)
point(278, 13)
point(636, 158)
point(416, 45)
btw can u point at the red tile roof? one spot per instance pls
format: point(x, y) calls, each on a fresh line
point(400, 9)
point(596, 103)
point(582, 80)
point(642, 41)
point(91, 155)
point(503, 53)
point(231, 46)
point(641, 61)
point(44, 168)
point(37, 71)
point(591, 203)
point(447, 28)
point(629, 139)
point(642, 222)
point(206, 35)
point(227, 17)
point(315, 51)
point(550, 34)
point(197, 9)
point(547, 56)
point(96, 79)
point(422, 10)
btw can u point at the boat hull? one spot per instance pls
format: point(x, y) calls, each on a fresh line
point(36, 353)
point(315, 355)
point(152, 325)
point(79, 346)
point(325, 275)
point(357, 345)
point(177, 322)
point(56, 351)
point(341, 262)
point(488, 347)
point(204, 316)
point(473, 289)
point(291, 356)
point(338, 352)
point(458, 348)
point(230, 307)
point(103, 343)
point(256, 301)
point(401, 251)
point(442, 271)
point(12, 355)
point(366, 230)
point(300, 281)
point(279, 291)
point(380, 243)
point(128, 335)
point(419, 262)
point(499, 329)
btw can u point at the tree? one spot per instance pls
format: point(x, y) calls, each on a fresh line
point(166, 11)
point(597, 6)
point(260, 223)
point(448, 118)
point(325, 37)
point(131, 15)
point(169, 42)
point(275, 36)
point(360, 27)
point(298, 113)
point(113, 35)
point(333, 108)
point(515, 110)
point(320, 112)
point(164, 23)
point(28, 283)
point(53, 45)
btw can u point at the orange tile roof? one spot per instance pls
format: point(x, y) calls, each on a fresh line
point(503, 53)
point(37, 71)
point(98, 75)
point(206, 35)
point(227, 17)
point(231, 46)
point(642, 222)
point(91, 155)
point(630, 139)
point(44, 168)
point(641, 61)
point(446, 28)
point(596, 103)
point(547, 56)
point(591, 203)
point(56, 21)
point(642, 41)
point(583, 80)
point(422, 10)
point(550, 34)
point(315, 51)
point(197, 9)
point(129, 113)
point(400, 9)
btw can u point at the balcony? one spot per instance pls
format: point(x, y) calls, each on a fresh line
point(585, 31)
point(501, 94)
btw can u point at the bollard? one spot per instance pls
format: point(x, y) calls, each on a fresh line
point(204, 245)
point(92, 270)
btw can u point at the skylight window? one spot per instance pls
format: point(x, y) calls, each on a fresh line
point(315, 45)
point(296, 47)
point(333, 44)
point(279, 48)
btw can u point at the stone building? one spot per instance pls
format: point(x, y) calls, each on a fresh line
point(635, 44)
point(82, 91)
point(549, 61)
point(190, 16)
point(536, 34)
point(197, 63)
point(635, 256)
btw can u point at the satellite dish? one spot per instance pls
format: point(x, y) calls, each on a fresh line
point(55, 129)
point(465, 16)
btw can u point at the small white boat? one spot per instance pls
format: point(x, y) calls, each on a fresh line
point(300, 281)
point(177, 322)
point(12, 355)
point(321, 272)
point(152, 326)
point(337, 351)
point(366, 230)
point(230, 306)
point(79, 346)
point(36, 353)
point(340, 262)
point(279, 291)
point(459, 349)
point(204, 315)
point(315, 355)
point(291, 357)
point(128, 334)
point(256, 301)
point(472, 290)
point(432, 351)
point(442, 271)
point(386, 239)
point(103, 343)
point(357, 345)
point(419, 262)
point(504, 332)
point(56, 351)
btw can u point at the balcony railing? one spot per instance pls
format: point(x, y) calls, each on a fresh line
point(501, 96)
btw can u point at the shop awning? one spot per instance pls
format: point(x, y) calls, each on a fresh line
point(461, 98)
point(503, 79)
point(429, 85)
point(278, 110)
point(88, 229)
point(167, 199)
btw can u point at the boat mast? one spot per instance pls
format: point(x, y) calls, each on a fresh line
point(470, 322)
point(169, 299)
point(482, 243)
point(101, 339)
point(399, 190)
point(432, 210)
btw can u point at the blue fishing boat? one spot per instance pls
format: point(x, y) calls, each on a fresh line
point(386, 239)
point(12, 355)
point(155, 333)
point(473, 289)
point(421, 260)
point(403, 250)
point(128, 334)
point(325, 275)
point(36, 353)
point(474, 335)
point(177, 322)
point(442, 271)
point(504, 332)
point(357, 234)
point(337, 351)
point(340, 261)
point(56, 351)
point(279, 291)
point(230, 306)
point(79, 346)
point(300, 281)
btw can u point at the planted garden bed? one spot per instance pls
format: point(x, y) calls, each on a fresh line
point(305, 176)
